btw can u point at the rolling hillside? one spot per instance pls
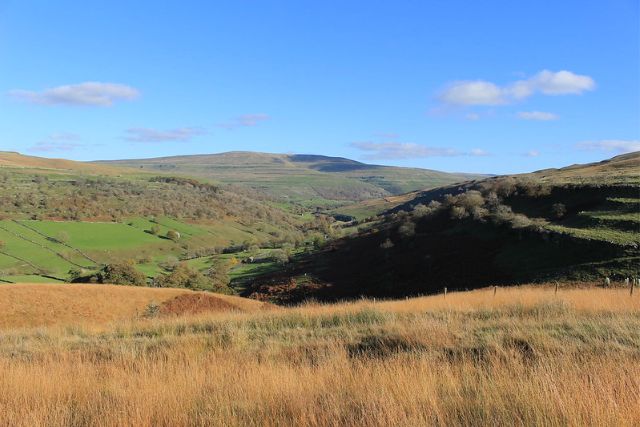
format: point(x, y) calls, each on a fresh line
point(10, 159)
point(310, 180)
point(575, 223)
point(58, 217)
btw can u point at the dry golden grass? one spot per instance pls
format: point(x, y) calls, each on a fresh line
point(525, 357)
point(36, 304)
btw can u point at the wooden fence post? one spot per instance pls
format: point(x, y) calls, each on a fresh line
point(495, 289)
point(445, 291)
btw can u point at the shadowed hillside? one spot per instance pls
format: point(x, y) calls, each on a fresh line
point(581, 222)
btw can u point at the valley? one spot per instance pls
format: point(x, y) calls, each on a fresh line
point(63, 222)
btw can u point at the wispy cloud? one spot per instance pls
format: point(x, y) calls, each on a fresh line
point(481, 92)
point(49, 146)
point(472, 116)
point(610, 145)
point(478, 152)
point(59, 141)
point(537, 115)
point(245, 120)
point(156, 135)
point(407, 150)
point(531, 153)
point(83, 94)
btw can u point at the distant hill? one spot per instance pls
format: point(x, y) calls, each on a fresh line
point(576, 223)
point(304, 178)
point(12, 159)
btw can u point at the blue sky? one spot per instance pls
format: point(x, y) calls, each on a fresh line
point(491, 86)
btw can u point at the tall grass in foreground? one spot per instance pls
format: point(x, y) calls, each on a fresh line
point(531, 359)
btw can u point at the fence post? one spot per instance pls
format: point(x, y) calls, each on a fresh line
point(556, 288)
point(445, 291)
point(630, 289)
point(495, 289)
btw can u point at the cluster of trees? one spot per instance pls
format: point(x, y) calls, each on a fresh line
point(484, 201)
point(178, 275)
point(115, 198)
point(119, 273)
point(216, 278)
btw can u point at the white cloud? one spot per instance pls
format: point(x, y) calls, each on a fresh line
point(245, 120)
point(611, 145)
point(88, 93)
point(532, 153)
point(560, 83)
point(480, 92)
point(537, 115)
point(473, 93)
point(155, 135)
point(409, 150)
point(472, 116)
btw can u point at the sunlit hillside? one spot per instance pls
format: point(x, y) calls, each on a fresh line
point(518, 356)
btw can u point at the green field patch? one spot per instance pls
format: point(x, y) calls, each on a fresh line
point(50, 244)
point(602, 234)
point(30, 278)
point(614, 216)
point(625, 200)
point(38, 257)
point(201, 264)
point(181, 227)
point(95, 235)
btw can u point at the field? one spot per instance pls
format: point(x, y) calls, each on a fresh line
point(29, 305)
point(524, 356)
point(46, 250)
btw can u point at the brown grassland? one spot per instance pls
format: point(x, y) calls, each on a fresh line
point(526, 356)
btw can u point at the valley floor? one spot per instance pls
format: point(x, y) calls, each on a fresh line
point(524, 356)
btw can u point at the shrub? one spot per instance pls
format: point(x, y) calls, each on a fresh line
point(420, 211)
point(559, 210)
point(469, 200)
point(170, 263)
point(458, 212)
point(520, 221)
point(122, 273)
point(407, 230)
point(280, 256)
point(62, 237)
point(387, 244)
point(219, 277)
point(505, 187)
point(173, 235)
point(183, 276)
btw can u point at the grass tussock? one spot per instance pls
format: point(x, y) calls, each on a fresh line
point(523, 357)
